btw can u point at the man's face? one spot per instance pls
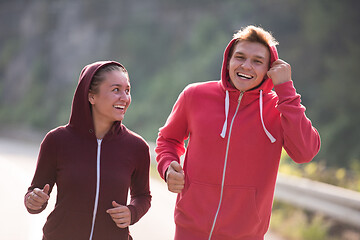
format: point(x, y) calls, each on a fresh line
point(248, 65)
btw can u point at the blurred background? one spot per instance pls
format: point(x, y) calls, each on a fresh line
point(166, 45)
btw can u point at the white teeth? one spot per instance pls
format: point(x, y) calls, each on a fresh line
point(119, 106)
point(244, 75)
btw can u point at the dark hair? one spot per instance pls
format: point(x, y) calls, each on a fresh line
point(99, 75)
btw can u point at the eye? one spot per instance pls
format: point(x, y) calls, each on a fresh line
point(127, 91)
point(258, 61)
point(116, 90)
point(240, 57)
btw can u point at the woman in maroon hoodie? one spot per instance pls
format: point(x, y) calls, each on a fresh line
point(94, 160)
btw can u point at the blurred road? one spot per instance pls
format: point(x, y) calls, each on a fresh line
point(18, 161)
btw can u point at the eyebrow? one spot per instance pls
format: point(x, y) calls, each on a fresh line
point(118, 85)
point(256, 56)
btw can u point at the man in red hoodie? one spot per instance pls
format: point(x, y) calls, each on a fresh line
point(236, 127)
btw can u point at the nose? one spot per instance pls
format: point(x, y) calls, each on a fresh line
point(124, 96)
point(246, 64)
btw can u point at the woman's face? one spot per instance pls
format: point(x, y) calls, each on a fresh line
point(112, 99)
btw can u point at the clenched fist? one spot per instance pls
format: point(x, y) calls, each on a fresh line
point(120, 214)
point(36, 199)
point(279, 72)
point(175, 177)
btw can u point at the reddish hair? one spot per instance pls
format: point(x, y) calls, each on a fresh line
point(253, 34)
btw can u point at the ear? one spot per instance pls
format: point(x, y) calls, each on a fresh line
point(91, 98)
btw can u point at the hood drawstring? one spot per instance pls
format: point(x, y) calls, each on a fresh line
point(223, 132)
point(272, 139)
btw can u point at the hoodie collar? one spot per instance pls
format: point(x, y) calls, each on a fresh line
point(81, 117)
point(258, 92)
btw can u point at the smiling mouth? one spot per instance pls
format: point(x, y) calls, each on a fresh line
point(121, 107)
point(244, 76)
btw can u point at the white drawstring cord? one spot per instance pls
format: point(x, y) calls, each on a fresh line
point(272, 139)
point(223, 132)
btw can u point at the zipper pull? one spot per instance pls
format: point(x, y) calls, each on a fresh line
point(240, 97)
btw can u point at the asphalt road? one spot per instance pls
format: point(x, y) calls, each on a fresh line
point(18, 162)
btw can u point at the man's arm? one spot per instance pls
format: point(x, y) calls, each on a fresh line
point(170, 142)
point(301, 139)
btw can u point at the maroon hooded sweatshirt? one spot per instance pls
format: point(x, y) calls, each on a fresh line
point(91, 173)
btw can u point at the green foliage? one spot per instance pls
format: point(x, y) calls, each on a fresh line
point(166, 45)
point(31, 98)
point(8, 50)
point(164, 87)
point(333, 41)
point(318, 171)
point(295, 224)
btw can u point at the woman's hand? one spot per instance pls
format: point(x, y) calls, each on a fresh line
point(120, 214)
point(36, 199)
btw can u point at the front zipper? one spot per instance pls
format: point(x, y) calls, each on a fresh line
point(224, 170)
point(97, 187)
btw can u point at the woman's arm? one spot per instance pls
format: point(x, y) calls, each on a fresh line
point(45, 174)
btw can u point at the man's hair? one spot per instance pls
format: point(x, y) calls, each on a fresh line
point(253, 34)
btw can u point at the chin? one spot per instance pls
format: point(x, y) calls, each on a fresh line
point(119, 119)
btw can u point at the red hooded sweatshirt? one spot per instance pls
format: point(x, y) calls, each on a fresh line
point(91, 173)
point(232, 157)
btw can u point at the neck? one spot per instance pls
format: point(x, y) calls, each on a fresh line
point(101, 131)
point(101, 128)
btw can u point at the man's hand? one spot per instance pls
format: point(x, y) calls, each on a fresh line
point(279, 72)
point(36, 199)
point(175, 177)
point(120, 214)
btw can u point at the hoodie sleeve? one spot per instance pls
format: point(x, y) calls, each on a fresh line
point(140, 190)
point(45, 172)
point(301, 139)
point(170, 141)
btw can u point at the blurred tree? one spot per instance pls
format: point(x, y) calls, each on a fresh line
point(166, 45)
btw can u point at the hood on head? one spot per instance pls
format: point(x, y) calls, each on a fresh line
point(225, 79)
point(81, 118)
point(266, 86)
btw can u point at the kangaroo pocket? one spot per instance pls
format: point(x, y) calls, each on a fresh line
point(67, 225)
point(238, 214)
point(197, 208)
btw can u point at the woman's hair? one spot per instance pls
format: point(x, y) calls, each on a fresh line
point(253, 34)
point(99, 75)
